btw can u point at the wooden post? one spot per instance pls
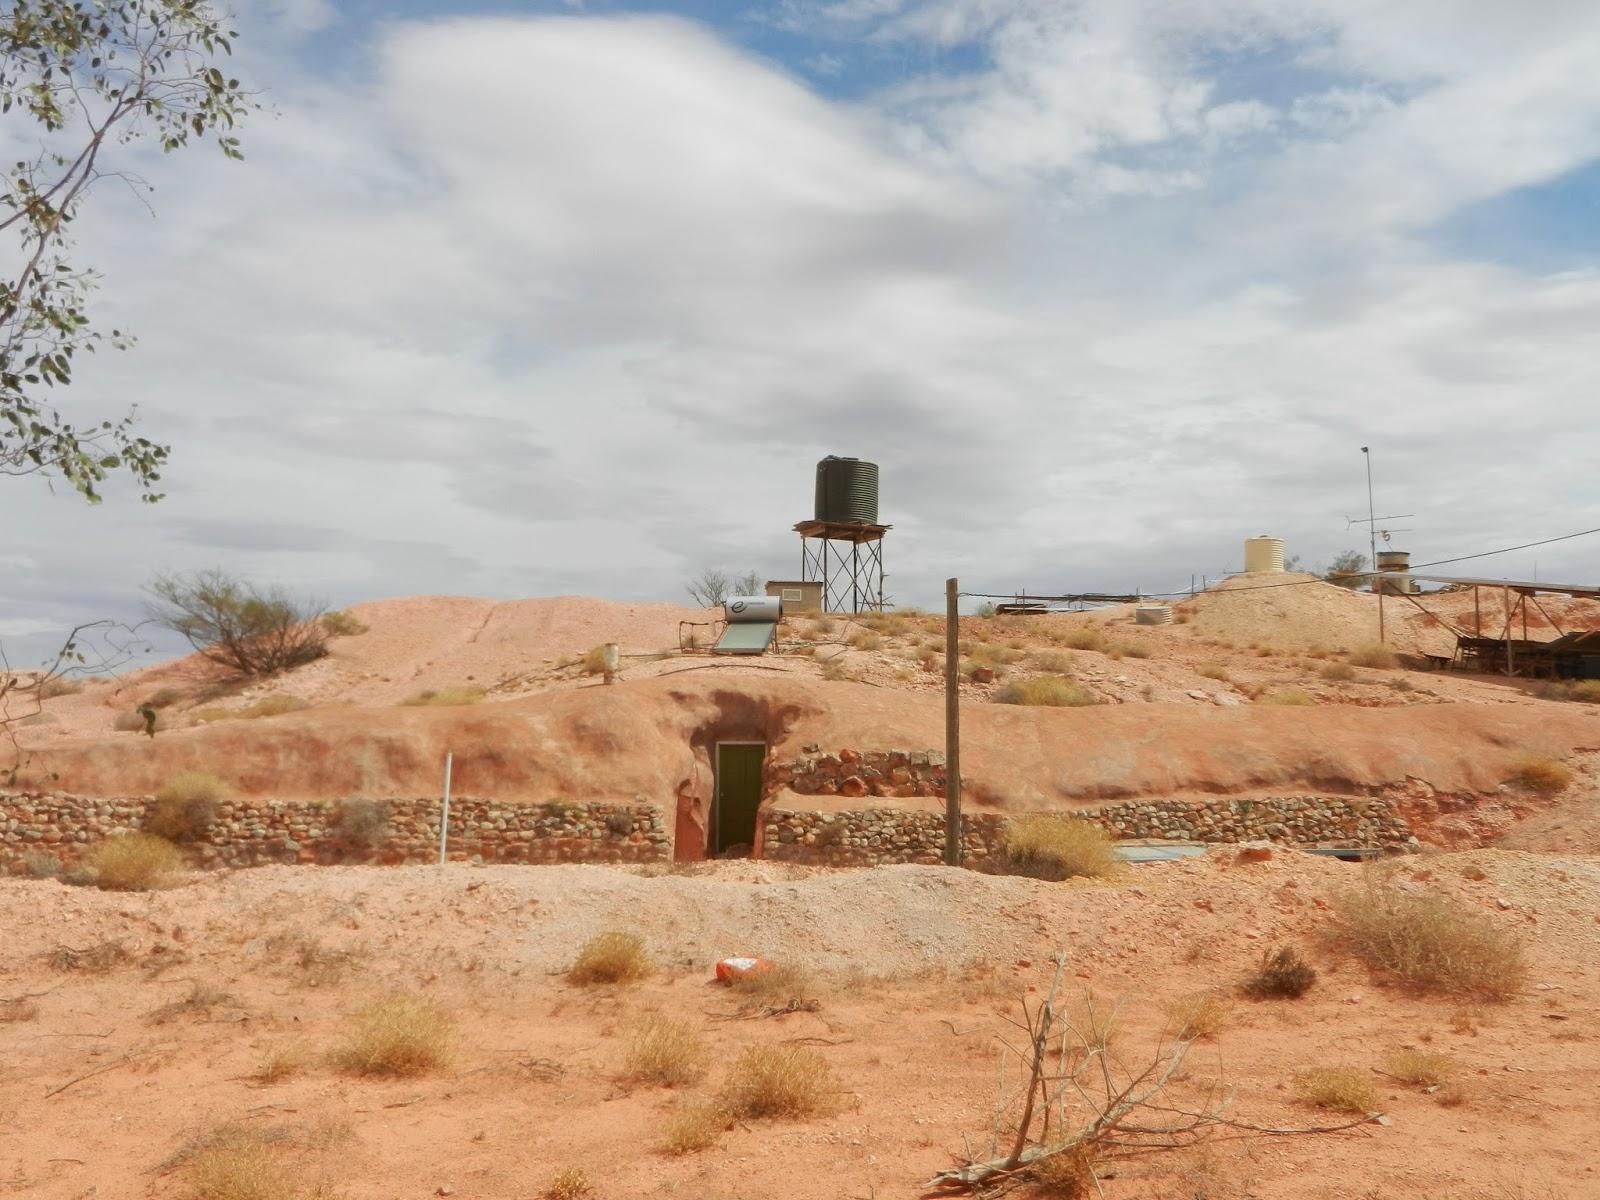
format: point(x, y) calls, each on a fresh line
point(444, 816)
point(952, 726)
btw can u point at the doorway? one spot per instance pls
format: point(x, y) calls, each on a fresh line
point(738, 796)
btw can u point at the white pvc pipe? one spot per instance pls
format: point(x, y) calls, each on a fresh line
point(444, 820)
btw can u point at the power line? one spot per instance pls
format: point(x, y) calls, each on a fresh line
point(1257, 587)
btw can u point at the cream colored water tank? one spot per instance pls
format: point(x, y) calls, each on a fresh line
point(1263, 554)
point(1153, 614)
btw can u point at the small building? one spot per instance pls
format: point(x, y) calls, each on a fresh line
point(798, 595)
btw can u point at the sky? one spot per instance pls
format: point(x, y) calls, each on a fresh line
point(518, 298)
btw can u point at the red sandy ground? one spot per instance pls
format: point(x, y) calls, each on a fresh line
point(918, 968)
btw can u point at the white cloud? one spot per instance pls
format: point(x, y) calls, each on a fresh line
point(574, 304)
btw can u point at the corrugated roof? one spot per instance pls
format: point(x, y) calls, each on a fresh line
point(1516, 585)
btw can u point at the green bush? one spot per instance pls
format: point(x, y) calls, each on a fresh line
point(341, 624)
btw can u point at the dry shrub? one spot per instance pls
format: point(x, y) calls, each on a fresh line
point(342, 624)
point(1054, 847)
point(315, 964)
point(17, 1009)
point(780, 983)
point(866, 641)
point(1213, 670)
point(1090, 638)
point(444, 698)
point(134, 862)
point(1095, 1022)
point(1053, 662)
point(38, 864)
point(570, 1183)
point(90, 960)
point(1343, 1089)
point(1137, 650)
point(1337, 672)
point(1585, 691)
point(593, 661)
point(1432, 942)
point(778, 1081)
point(185, 808)
point(612, 957)
point(1197, 1015)
point(282, 1061)
point(239, 1164)
point(665, 1052)
point(58, 685)
point(361, 823)
point(1068, 1175)
point(694, 1129)
point(275, 705)
point(1283, 974)
point(1421, 1068)
point(1051, 691)
point(1287, 699)
point(836, 672)
point(1374, 654)
point(399, 1035)
point(1544, 776)
point(202, 998)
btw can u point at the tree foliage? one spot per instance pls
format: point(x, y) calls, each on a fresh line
point(1346, 570)
point(248, 629)
point(77, 79)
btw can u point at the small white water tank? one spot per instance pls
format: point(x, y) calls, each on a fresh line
point(1263, 554)
point(1153, 614)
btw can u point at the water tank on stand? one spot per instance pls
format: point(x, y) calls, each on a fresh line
point(847, 491)
point(1395, 562)
point(1263, 554)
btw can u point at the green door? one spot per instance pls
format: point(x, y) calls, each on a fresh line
point(738, 796)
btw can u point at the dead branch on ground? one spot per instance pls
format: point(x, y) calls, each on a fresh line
point(1080, 1103)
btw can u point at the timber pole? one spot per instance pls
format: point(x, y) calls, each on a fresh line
point(952, 726)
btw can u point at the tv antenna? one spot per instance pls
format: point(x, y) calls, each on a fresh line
point(1352, 521)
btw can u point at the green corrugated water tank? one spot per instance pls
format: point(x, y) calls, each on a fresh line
point(847, 491)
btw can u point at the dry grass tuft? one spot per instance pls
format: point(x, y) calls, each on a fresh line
point(342, 624)
point(1543, 776)
point(1432, 941)
point(282, 1061)
point(444, 698)
point(202, 998)
point(665, 1052)
point(1054, 847)
point(1289, 698)
point(1337, 672)
point(1375, 654)
point(401, 1035)
point(1421, 1068)
point(1067, 1175)
point(186, 807)
point(1283, 974)
point(1197, 1015)
point(778, 1081)
point(780, 983)
point(694, 1129)
point(90, 960)
point(268, 706)
point(612, 957)
point(239, 1164)
point(1090, 638)
point(1343, 1089)
point(1052, 662)
point(1049, 691)
point(570, 1183)
point(1211, 670)
point(865, 641)
point(134, 862)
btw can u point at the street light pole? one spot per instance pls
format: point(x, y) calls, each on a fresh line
point(1372, 540)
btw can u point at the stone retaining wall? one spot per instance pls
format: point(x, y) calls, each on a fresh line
point(248, 833)
point(900, 773)
point(885, 835)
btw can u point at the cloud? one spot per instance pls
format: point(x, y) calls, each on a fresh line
point(574, 304)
